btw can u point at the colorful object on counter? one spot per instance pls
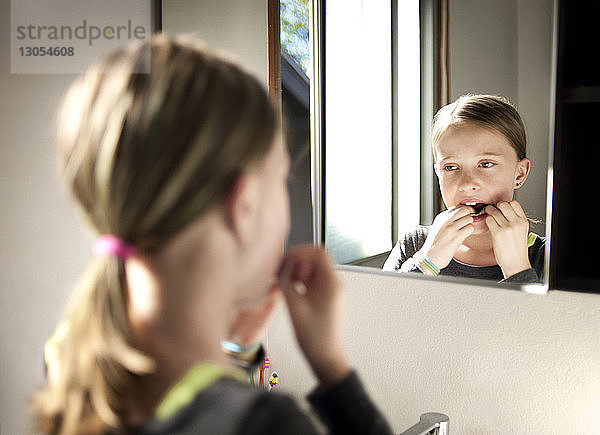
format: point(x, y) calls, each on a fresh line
point(265, 365)
point(274, 379)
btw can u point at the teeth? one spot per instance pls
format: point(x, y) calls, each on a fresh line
point(470, 203)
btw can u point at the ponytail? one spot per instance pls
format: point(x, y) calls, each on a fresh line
point(94, 366)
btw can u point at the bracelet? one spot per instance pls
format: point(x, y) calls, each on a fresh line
point(426, 266)
point(232, 348)
point(248, 358)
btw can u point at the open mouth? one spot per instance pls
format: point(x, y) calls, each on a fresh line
point(477, 206)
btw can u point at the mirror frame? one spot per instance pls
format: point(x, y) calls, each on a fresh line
point(317, 117)
point(317, 141)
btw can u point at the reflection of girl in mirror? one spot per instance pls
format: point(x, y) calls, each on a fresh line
point(480, 160)
point(183, 173)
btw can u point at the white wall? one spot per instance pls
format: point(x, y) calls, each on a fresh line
point(496, 361)
point(483, 47)
point(43, 246)
point(505, 47)
point(238, 27)
point(534, 71)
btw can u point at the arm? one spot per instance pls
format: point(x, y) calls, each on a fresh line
point(316, 303)
point(315, 299)
point(438, 243)
point(346, 409)
point(526, 276)
point(537, 248)
point(401, 258)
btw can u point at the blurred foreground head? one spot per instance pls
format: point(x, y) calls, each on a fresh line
point(144, 155)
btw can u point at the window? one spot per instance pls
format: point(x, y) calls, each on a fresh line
point(372, 136)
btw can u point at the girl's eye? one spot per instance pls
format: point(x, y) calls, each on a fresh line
point(486, 164)
point(450, 168)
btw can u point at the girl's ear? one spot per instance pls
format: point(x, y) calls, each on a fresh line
point(522, 172)
point(241, 205)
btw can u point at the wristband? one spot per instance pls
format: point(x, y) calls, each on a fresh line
point(245, 357)
point(231, 348)
point(426, 266)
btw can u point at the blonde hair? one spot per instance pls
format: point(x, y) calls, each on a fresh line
point(143, 155)
point(489, 111)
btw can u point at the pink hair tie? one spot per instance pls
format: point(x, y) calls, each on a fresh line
point(112, 245)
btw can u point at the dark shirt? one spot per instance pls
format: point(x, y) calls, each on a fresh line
point(231, 407)
point(401, 259)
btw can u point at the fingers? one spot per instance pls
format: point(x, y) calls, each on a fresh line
point(450, 229)
point(495, 216)
point(457, 217)
point(304, 269)
point(315, 302)
point(284, 275)
point(466, 230)
point(509, 227)
point(294, 274)
point(293, 289)
point(296, 301)
point(518, 209)
point(505, 212)
point(460, 211)
point(462, 220)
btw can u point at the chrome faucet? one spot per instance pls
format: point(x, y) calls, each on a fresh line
point(431, 423)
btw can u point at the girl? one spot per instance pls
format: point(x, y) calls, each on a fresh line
point(480, 160)
point(182, 172)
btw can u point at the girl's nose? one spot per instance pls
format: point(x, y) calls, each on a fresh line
point(468, 182)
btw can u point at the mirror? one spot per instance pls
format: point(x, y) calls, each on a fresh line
point(371, 129)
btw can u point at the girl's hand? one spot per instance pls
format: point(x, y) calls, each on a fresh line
point(449, 230)
point(315, 299)
point(249, 325)
point(509, 228)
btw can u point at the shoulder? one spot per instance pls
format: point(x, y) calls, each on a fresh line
point(536, 245)
point(537, 252)
point(407, 246)
point(414, 239)
point(418, 232)
point(228, 407)
point(276, 413)
point(536, 240)
point(251, 411)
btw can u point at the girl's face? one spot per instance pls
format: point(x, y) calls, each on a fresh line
point(477, 165)
point(272, 223)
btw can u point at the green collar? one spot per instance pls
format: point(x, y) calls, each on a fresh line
point(196, 379)
point(531, 239)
